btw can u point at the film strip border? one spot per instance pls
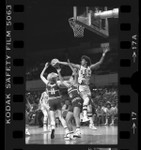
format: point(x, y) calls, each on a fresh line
point(15, 77)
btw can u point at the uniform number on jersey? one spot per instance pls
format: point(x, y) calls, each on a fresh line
point(52, 91)
point(85, 73)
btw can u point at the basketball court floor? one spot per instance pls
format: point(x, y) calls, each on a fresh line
point(103, 135)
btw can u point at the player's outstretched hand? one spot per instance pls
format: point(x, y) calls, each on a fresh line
point(46, 65)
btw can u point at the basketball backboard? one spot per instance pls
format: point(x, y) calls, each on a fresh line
point(94, 19)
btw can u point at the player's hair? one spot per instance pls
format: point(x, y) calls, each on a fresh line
point(88, 60)
point(52, 75)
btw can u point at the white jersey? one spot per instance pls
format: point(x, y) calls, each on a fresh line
point(44, 100)
point(84, 75)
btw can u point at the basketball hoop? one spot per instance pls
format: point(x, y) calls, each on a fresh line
point(78, 29)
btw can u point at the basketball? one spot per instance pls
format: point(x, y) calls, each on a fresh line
point(54, 62)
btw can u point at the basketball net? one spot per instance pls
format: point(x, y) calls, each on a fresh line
point(78, 29)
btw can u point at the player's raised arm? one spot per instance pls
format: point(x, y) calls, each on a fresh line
point(96, 65)
point(42, 74)
point(67, 64)
point(59, 74)
point(74, 70)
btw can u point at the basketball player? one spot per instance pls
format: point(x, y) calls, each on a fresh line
point(84, 75)
point(76, 101)
point(89, 107)
point(44, 106)
point(54, 98)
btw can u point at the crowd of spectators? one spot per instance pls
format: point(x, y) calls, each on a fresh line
point(100, 99)
point(106, 105)
point(102, 95)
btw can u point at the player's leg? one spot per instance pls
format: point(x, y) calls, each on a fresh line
point(49, 122)
point(63, 121)
point(85, 94)
point(48, 119)
point(52, 119)
point(85, 105)
point(69, 117)
point(76, 113)
point(85, 111)
point(45, 117)
point(90, 115)
point(58, 107)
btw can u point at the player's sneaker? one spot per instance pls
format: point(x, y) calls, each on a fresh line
point(52, 133)
point(91, 126)
point(27, 132)
point(112, 124)
point(106, 124)
point(68, 136)
point(77, 134)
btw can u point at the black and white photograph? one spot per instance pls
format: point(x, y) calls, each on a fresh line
point(71, 75)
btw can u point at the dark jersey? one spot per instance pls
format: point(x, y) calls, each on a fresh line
point(73, 92)
point(53, 90)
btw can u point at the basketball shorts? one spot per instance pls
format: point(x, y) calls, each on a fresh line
point(77, 102)
point(64, 113)
point(55, 104)
point(44, 107)
point(84, 91)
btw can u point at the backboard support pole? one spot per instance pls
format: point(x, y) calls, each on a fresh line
point(87, 11)
point(75, 12)
point(89, 17)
